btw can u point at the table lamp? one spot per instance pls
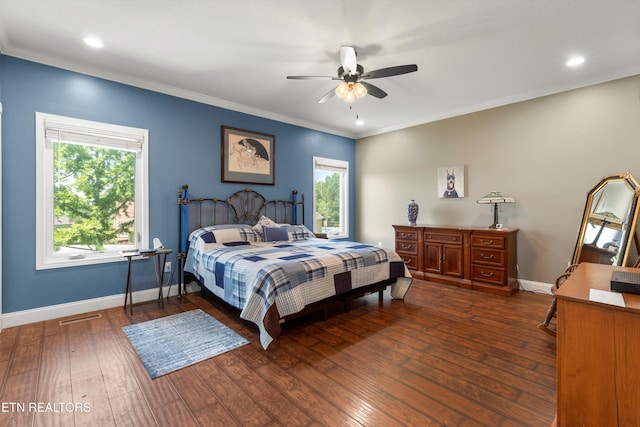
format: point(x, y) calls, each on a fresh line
point(495, 198)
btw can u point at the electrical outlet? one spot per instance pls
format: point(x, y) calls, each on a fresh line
point(167, 267)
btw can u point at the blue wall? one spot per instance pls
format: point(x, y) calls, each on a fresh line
point(184, 148)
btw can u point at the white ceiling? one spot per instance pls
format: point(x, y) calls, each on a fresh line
point(471, 54)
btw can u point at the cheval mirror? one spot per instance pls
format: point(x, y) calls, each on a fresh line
point(608, 231)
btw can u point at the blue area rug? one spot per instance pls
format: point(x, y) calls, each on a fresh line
point(173, 342)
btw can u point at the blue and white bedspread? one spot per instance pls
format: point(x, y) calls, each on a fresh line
point(271, 280)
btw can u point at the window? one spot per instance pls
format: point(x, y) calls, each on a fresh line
point(91, 191)
point(331, 197)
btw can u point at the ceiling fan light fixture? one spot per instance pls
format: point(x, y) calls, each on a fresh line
point(359, 90)
point(342, 90)
point(351, 73)
point(349, 91)
point(350, 96)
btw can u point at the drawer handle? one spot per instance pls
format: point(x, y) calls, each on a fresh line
point(429, 236)
point(404, 235)
point(405, 246)
point(455, 239)
point(483, 256)
point(486, 274)
point(486, 242)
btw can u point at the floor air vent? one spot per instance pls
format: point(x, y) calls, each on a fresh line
point(80, 319)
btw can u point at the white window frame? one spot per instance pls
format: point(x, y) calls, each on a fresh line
point(341, 166)
point(102, 134)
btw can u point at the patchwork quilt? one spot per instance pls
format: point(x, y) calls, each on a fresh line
point(271, 280)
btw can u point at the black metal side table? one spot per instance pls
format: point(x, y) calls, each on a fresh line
point(160, 258)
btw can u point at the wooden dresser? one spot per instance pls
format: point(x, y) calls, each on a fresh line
point(476, 258)
point(598, 350)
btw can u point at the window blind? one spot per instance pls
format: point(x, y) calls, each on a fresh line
point(327, 166)
point(64, 132)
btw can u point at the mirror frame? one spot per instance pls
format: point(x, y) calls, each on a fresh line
point(625, 242)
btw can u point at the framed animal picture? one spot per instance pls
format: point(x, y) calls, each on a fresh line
point(247, 156)
point(451, 182)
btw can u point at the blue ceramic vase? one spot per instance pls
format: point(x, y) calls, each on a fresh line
point(412, 212)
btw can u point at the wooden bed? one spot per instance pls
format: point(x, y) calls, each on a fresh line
point(293, 275)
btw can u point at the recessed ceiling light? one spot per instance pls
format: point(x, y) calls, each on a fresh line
point(359, 121)
point(574, 61)
point(93, 42)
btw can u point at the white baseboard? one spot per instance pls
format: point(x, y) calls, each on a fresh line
point(79, 307)
point(539, 287)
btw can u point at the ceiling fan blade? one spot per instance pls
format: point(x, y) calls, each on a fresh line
point(348, 59)
point(374, 90)
point(390, 71)
point(327, 96)
point(312, 78)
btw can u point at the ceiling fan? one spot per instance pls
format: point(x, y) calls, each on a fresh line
point(353, 77)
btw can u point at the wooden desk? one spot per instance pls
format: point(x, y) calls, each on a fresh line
point(598, 352)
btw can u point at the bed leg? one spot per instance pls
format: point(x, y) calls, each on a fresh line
point(380, 296)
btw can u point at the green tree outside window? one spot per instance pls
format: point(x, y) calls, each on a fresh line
point(93, 195)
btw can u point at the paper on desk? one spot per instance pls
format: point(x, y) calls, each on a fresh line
point(606, 297)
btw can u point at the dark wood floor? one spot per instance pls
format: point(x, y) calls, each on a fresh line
point(443, 356)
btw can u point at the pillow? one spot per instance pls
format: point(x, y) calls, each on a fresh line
point(274, 234)
point(287, 232)
point(195, 234)
point(224, 226)
point(208, 237)
point(226, 235)
point(248, 235)
point(235, 235)
point(299, 232)
point(263, 222)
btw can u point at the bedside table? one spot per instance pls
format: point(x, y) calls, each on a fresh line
point(160, 258)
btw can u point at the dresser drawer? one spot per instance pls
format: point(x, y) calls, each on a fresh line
point(407, 247)
point(488, 241)
point(483, 273)
point(407, 235)
point(410, 261)
point(487, 256)
point(443, 237)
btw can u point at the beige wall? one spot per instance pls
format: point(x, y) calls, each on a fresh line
point(547, 153)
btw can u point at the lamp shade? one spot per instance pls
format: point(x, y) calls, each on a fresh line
point(359, 90)
point(349, 96)
point(496, 197)
point(342, 90)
